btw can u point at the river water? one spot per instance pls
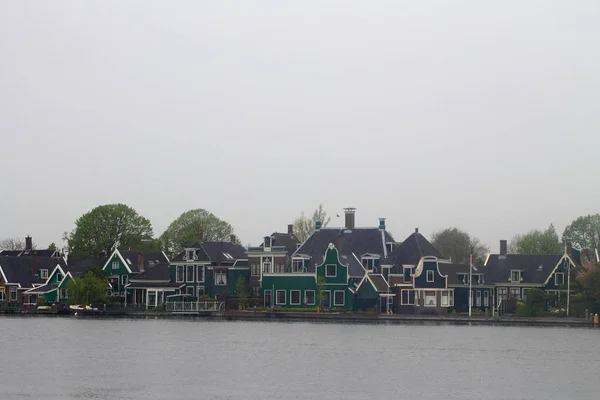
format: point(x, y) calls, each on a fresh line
point(78, 358)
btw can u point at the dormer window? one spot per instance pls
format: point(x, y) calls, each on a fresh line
point(267, 242)
point(515, 276)
point(465, 279)
point(368, 263)
point(44, 273)
point(390, 246)
point(190, 255)
point(298, 265)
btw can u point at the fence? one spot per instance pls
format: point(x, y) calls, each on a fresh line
point(188, 307)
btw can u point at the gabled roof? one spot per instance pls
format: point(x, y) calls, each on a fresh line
point(357, 240)
point(379, 282)
point(151, 258)
point(454, 272)
point(535, 269)
point(31, 253)
point(215, 252)
point(410, 251)
point(159, 272)
point(21, 270)
point(287, 240)
point(43, 289)
point(77, 266)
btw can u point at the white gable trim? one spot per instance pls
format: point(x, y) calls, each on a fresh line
point(3, 276)
point(557, 265)
point(52, 274)
point(419, 269)
point(109, 261)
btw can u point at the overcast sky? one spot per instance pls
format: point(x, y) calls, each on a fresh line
point(430, 113)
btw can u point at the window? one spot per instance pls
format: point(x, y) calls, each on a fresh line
point(466, 279)
point(268, 302)
point(179, 274)
point(430, 276)
point(524, 295)
point(326, 300)
point(63, 293)
point(445, 298)
point(430, 298)
point(190, 254)
point(59, 277)
point(408, 272)
point(515, 276)
point(280, 268)
point(13, 293)
point(280, 297)
point(480, 279)
point(221, 278)
point(115, 265)
point(309, 297)
point(2, 294)
point(200, 273)
point(255, 291)
point(189, 273)
point(200, 291)
point(408, 297)
point(294, 297)
point(559, 278)
point(255, 269)
point(44, 273)
point(368, 262)
point(515, 292)
point(267, 267)
point(486, 298)
point(478, 298)
point(124, 279)
point(331, 270)
point(152, 298)
point(502, 294)
point(190, 290)
point(297, 265)
point(339, 297)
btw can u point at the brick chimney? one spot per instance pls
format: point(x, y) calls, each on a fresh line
point(503, 247)
point(140, 262)
point(290, 229)
point(349, 211)
point(28, 243)
point(340, 242)
point(232, 238)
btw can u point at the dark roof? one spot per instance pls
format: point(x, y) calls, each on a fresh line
point(355, 268)
point(454, 272)
point(151, 258)
point(410, 252)
point(289, 241)
point(215, 252)
point(12, 253)
point(44, 288)
point(77, 266)
point(576, 256)
point(21, 269)
point(159, 272)
point(535, 268)
point(357, 240)
point(379, 282)
point(30, 253)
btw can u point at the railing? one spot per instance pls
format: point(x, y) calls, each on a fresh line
point(189, 307)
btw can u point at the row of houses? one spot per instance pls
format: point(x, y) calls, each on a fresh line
point(344, 268)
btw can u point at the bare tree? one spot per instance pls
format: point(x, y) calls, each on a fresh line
point(304, 226)
point(12, 243)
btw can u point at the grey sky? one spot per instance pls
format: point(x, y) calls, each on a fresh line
point(431, 113)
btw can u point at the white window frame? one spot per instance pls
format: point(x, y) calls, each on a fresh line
point(326, 293)
point(295, 263)
point(556, 275)
point(434, 298)
point(200, 291)
point(432, 276)
point(155, 298)
point(313, 297)
point(510, 292)
point(334, 269)
point(177, 269)
point(62, 293)
point(2, 294)
point(277, 302)
point(59, 277)
point(189, 268)
point(265, 292)
point(220, 272)
point(255, 269)
point(343, 303)
point(524, 292)
point(478, 298)
point(266, 267)
point(124, 280)
point(192, 292)
point(486, 298)
point(369, 261)
point(445, 294)
point(13, 292)
point(512, 273)
point(43, 273)
point(292, 297)
point(115, 265)
point(408, 302)
point(199, 273)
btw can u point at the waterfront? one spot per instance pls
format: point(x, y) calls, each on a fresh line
point(58, 358)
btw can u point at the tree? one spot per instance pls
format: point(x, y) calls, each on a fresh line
point(107, 228)
point(583, 232)
point(192, 226)
point(242, 290)
point(537, 242)
point(457, 244)
point(321, 291)
point(304, 226)
point(52, 246)
point(589, 278)
point(89, 289)
point(12, 243)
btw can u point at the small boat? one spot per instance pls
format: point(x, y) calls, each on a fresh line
point(81, 310)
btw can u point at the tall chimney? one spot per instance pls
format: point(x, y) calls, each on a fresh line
point(349, 211)
point(140, 262)
point(416, 230)
point(382, 224)
point(340, 242)
point(232, 239)
point(28, 243)
point(290, 229)
point(317, 224)
point(503, 247)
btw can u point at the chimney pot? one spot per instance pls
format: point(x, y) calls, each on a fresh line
point(140, 262)
point(349, 211)
point(317, 224)
point(382, 224)
point(232, 238)
point(28, 243)
point(503, 247)
point(290, 229)
point(416, 230)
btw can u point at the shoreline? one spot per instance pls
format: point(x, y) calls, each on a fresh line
point(282, 316)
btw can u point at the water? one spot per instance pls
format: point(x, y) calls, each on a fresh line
point(75, 358)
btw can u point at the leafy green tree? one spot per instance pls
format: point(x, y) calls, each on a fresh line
point(304, 226)
point(89, 289)
point(535, 306)
point(242, 289)
point(457, 244)
point(583, 232)
point(52, 246)
point(106, 228)
point(192, 226)
point(321, 290)
point(589, 278)
point(537, 242)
